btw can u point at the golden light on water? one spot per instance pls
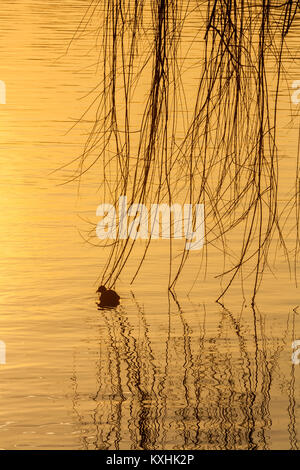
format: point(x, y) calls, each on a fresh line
point(164, 370)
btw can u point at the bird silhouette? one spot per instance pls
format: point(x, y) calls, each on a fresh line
point(108, 298)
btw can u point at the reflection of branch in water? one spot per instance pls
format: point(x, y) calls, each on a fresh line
point(148, 422)
point(218, 147)
point(292, 428)
point(75, 400)
point(116, 395)
point(182, 388)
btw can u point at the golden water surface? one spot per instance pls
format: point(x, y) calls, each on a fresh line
point(160, 372)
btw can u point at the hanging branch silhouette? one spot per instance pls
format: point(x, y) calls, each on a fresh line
point(220, 150)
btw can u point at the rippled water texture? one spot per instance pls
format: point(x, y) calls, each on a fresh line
point(160, 372)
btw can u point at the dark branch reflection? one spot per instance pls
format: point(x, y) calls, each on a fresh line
point(184, 387)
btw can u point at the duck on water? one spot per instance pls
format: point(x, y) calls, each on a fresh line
point(108, 297)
